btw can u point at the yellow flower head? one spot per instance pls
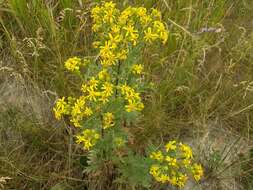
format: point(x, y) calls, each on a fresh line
point(108, 120)
point(60, 108)
point(88, 138)
point(104, 75)
point(157, 156)
point(171, 145)
point(137, 69)
point(73, 64)
point(197, 171)
point(186, 150)
point(149, 36)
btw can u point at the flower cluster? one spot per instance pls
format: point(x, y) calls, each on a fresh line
point(73, 64)
point(174, 164)
point(108, 120)
point(133, 99)
point(88, 138)
point(119, 31)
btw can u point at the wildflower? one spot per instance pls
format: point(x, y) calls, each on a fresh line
point(107, 89)
point(171, 145)
point(154, 170)
point(181, 179)
point(115, 39)
point(137, 69)
point(88, 138)
point(161, 30)
point(171, 167)
point(197, 171)
point(93, 83)
point(122, 55)
point(73, 64)
point(155, 13)
point(88, 111)
point(96, 44)
point(186, 162)
point(104, 75)
point(134, 106)
point(115, 29)
point(60, 108)
point(108, 120)
point(157, 156)
point(106, 49)
point(186, 150)
point(149, 36)
point(131, 33)
point(171, 161)
point(92, 94)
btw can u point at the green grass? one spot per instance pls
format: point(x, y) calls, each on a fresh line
point(198, 79)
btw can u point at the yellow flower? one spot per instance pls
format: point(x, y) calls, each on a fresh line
point(155, 13)
point(115, 39)
point(181, 179)
point(115, 29)
point(84, 88)
point(171, 145)
point(96, 44)
point(197, 171)
point(137, 69)
point(73, 64)
point(92, 96)
point(78, 106)
point(154, 170)
point(60, 108)
point(109, 5)
point(186, 162)
point(88, 138)
point(107, 89)
point(161, 30)
point(93, 83)
point(122, 55)
point(104, 75)
point(171, 161)
point(131, 33)
point(106, 49)
point(157, 156)
point(186, 150)
point(149, 36)
point(134, 106)
point(108, 120)
point(88, 111)
point(141, 11)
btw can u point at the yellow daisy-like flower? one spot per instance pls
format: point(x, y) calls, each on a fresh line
point(107, 89)
point(73, 64)
point(60, 108)
point(108, 120)
point(149, 36)
point(171, 145)
point(157, 155)
point(197, 171)
point(137, 69)
point(186, 150)
point(104, 75)
point(88, 138)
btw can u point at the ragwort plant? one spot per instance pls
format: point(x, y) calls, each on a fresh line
point(110, 99)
